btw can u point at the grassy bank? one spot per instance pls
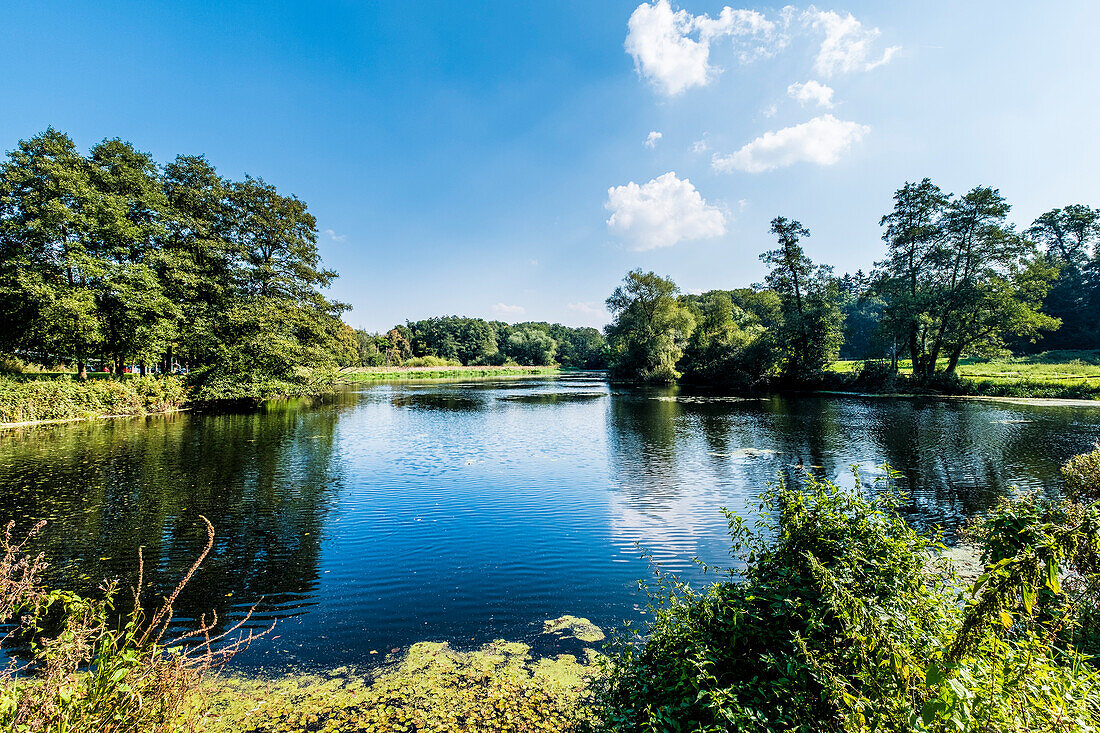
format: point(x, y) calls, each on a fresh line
point(1051, 374)
point(371, 374)
point(65, 398)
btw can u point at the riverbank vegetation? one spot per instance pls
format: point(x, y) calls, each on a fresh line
point(958, 284)
point(24, 400)
point(444, 371)
point(111, 261)
point(842, 617)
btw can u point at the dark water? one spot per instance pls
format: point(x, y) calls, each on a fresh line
point(467, 512)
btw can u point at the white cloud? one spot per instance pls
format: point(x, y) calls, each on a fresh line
point(588, 309)
point(700, 146)
point(822, 140)
point(652, 138)
point(811, 91)
point(334, 236)
point(662, 212)
point(770, 110)
point(671, 48)
point(847, 43)
point(509, 310)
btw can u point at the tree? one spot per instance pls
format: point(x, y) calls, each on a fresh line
point(957, 277)
point(529, 345)
point(1068, 237)
point(50, 264)
point(811, 331)
point(729, 346)
point(649, 328)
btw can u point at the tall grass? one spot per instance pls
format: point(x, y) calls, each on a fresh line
point(62, 398)
point(88, 672)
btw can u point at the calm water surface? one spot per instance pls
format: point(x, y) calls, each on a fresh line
point(471, 511)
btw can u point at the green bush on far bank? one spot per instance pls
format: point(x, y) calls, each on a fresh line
point(66, 398)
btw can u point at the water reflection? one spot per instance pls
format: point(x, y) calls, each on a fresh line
point(469, 511)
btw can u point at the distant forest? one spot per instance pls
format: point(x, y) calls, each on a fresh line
point(477, 342)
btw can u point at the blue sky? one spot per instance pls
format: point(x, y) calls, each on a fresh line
point(490, 158)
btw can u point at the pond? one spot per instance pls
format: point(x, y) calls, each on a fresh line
point(468, 511)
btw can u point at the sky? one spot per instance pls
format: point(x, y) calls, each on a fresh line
point(513, 160)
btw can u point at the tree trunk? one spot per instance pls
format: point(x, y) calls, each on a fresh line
point(118, 367)
point(953, 361)
point(142, 369)
point(81, 369)
point(168, 360)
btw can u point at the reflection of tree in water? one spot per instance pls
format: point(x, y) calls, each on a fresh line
point(264, 479)
point(955, 458)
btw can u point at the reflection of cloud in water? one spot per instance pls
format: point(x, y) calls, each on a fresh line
point(744, 453)
point(672, 531)
point(704, 399)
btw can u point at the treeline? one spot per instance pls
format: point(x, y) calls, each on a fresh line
point(957, 279)
point(112, 259)
point(477, 342)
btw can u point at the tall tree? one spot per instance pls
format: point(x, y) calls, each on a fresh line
point(1068, 237)
point(50, 260)
point(812, 326)
point(649, 328)
point(957, 277)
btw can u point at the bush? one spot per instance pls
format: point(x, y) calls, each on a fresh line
point(844, 618)
point(65, 398)
point(88, 673)
point(430, 361)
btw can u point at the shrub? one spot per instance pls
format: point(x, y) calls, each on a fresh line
point(844, 618)
point(89, 673)
point(430, 361)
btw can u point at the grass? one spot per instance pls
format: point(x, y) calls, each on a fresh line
point(1053, 374)
point(64, 398)
point(370, 374)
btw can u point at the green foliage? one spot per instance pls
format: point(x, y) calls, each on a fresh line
point(94, 667)
point(844, 618)
point(729, 346)
point(811, 331)
point(63, 398)
point(476, 342)
point(957, 278)
point(106, 256)
point(649, 330)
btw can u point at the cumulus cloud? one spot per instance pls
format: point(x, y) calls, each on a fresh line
point(652, 138)
point(671, 48)
point(770, 110)
point(509, 310)
point(334, 236)
point(811, 91)
point(700, 146)
point(822, 140)
point(662, 212)
point(847, 45)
